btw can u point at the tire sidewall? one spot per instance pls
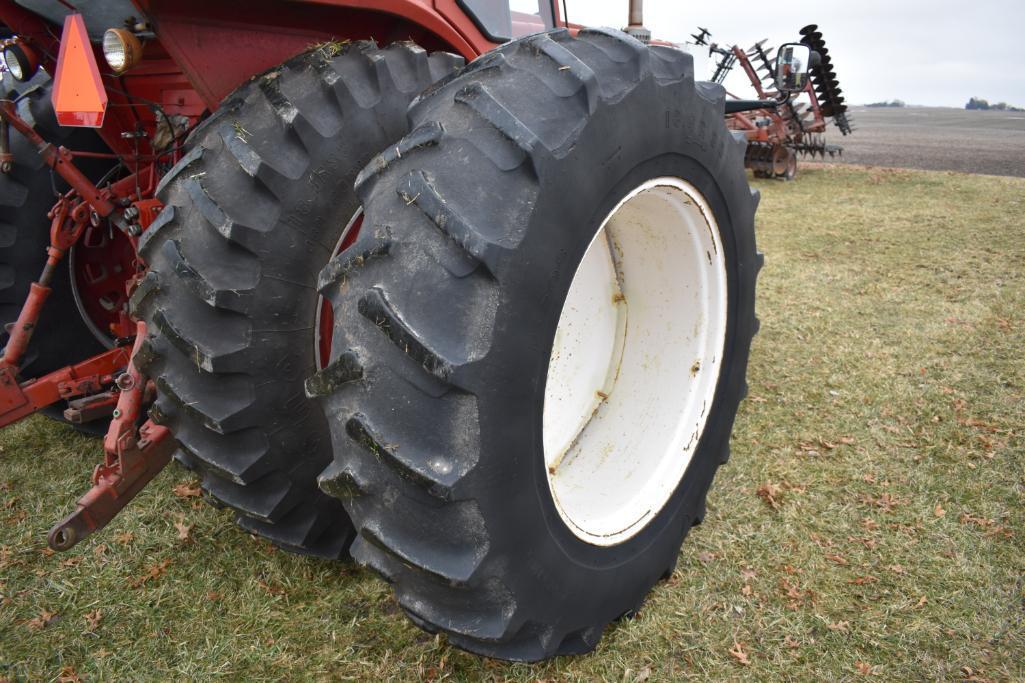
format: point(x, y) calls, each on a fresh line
point(562, 226)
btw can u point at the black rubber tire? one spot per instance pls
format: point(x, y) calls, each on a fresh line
point(253, 212)
point(446, 311)
point(26, 195)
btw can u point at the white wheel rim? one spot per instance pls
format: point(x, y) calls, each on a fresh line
point(635, 362)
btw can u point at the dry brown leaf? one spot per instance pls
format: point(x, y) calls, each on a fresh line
point(886, 502)
point(9, 503)
point(68, 675)
point(968, 518)
point(939, 511)
point(770, 493)
point(839, 559)
point(790, 642)
point(124, 537)
point(183, 529)
point(154, 571)
point(979, 424)
point(896, 568)
point(188, 490)
point(862, 580)
point(821, 542)
point(213, 596)
point(863, 668)
point(869, 543)
point(71, 561)
point(705, 557)
point(737, 652)
point(271, 588)
point(790, 590)
point(921, 601)
point(839, 626)
point(869, 524)
point(92, 620)
point(747, 574)
point(42, 621)
point(643, 675)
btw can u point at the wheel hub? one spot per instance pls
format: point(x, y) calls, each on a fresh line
point(635, 361)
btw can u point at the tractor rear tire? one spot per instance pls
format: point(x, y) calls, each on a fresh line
point(455, 333)
point(26, 195)
point(254, 210)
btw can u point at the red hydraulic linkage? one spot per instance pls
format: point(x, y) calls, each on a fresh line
point(132, 457)
point(69, 220)
point(130, 460)
point(83, 379)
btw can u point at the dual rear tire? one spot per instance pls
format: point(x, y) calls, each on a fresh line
point(540, 334)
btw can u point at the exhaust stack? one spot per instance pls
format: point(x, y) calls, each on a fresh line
point(636, 26)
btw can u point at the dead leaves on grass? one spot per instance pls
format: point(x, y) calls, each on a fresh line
point(188, 490)
point(152, 573)
point(863, 668)
point(68, 675)
point(773, 494)
point(42, 621)
point(795, 595)
point(738, 653)
point(92, 620)
point(183, 529)
point(992, 528)
point(886, 502)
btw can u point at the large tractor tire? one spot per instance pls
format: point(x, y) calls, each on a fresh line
point(258, 205)
point(520, 460)
point(26, 195)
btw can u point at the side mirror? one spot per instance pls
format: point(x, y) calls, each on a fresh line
point(792, 63)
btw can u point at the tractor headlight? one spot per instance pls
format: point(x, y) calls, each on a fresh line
point(20, 60)
point(121, 49)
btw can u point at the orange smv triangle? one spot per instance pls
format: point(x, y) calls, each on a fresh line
point(79, 97)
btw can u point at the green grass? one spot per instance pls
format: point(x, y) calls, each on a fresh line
point(885, 423)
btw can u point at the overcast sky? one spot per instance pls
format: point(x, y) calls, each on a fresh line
point(932, 52)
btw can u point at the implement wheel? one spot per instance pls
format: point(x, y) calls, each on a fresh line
point(541, 340)
point(260, 202)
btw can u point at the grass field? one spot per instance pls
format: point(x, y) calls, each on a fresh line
point(870, 524)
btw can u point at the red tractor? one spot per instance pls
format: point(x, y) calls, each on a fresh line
point(484, 327)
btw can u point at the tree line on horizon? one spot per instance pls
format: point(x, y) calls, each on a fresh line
point(981, 104)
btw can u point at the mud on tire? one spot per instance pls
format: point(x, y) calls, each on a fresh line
point(446, 310)
point(253, 211)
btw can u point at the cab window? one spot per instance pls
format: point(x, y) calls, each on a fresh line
point(502, 20)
